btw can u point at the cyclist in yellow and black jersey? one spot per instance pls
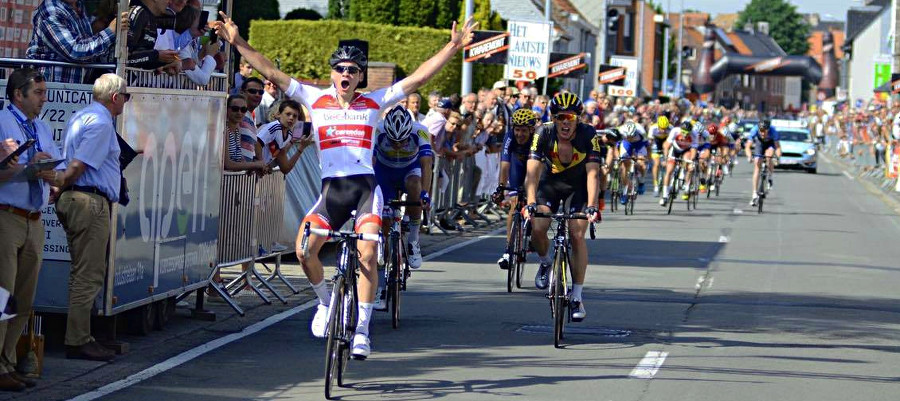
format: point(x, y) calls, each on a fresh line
point(564, 164)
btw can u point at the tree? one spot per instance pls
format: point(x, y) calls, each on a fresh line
point(337, 9)
point(447, 12)
point(786, 26)
point(487, 19)
point(421, 13)
point(375, 12)
point(303, 13)
point(245, 11)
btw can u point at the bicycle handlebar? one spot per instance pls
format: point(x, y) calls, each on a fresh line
point(307, 230)
point(505, 188)
point(565, 216)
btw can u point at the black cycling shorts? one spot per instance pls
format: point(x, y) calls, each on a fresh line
point(341, 196)
point(551, 192)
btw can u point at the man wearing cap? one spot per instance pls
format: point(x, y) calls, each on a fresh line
point(501, 110)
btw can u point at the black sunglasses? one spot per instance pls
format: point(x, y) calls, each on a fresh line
point(126, 95)
point(238, 108)
point(254, 91)
point(353, 70)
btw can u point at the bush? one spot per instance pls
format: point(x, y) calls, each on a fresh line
point(304, 14)
point(304, 48)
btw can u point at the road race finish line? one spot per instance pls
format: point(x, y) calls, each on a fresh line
point(586, 331)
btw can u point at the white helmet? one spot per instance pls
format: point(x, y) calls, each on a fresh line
point(628, 130)
point(398, 124)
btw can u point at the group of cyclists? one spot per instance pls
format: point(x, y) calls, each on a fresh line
point(371, 150)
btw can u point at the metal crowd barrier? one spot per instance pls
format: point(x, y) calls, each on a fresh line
point(137, 77)
point(250, 218)
point(862, 161)
point(460, 198)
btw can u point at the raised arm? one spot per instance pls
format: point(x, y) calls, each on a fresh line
point(227, 30)
point(458, 40)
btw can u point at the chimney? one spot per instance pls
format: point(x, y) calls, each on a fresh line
point(762, 27)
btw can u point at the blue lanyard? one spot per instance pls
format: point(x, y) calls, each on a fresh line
point(28, 129)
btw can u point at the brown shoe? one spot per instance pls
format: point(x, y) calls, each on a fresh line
point(90, 351)
point(26, 381)
point(8, 383)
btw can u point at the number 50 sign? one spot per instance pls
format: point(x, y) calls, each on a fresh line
point(529, 50)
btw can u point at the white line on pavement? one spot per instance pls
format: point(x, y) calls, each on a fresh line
point(738, 211)
point(191, 354)
point(848, 175)
point(188, 355)
point(723, 239)
point(648, 366)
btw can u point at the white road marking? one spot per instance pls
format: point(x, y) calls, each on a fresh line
point(188, 355)
point(710, 283)
point(191, 354)
point(848, 175)
point(723, 239)
point(648, 366)
point(699, 282)
point(738, 211)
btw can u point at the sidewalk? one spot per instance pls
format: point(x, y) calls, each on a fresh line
point(63, 378)
point(862, 170)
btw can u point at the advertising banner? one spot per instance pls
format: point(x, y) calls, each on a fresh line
point(488, 47)
point(529, 50)
point(567, 65)
point(628, 86)
point(610, 73)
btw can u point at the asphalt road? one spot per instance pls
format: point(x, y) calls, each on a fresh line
point(798, 303)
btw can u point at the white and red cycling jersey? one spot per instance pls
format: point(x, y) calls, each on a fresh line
point(683, 141)
point(344, 137)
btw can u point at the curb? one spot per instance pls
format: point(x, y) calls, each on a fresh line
point(889, 197)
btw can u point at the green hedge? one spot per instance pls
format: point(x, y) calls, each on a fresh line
point(304, 48)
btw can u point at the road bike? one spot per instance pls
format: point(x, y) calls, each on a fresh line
point(517, 244)
point(677, 183)
point(396, 251)
point(343, 310)
point(762, 187)
point(558, 290)
point(615, 186)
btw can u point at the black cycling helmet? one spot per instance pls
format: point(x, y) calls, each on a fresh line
point(398, 124)
point(765, 124)
point(686, 125)
point(348, 53)
point(566, 102)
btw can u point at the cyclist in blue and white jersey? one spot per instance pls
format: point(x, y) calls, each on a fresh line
point(632, 148)
point(403, 160)
point(762, 142)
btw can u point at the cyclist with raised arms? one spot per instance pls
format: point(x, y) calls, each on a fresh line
point(632, 149)
point(762, 142)
point(343, 126)
point(683, 145)
point(403, 160)
point(658, 133)
point(564, 165)
point(513, 158)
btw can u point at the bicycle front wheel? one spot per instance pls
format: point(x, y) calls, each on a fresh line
point(334, 343)
point(513, 247)
point(558, 298)
point(394, 281)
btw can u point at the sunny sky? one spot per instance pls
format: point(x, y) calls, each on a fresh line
point(832, 9)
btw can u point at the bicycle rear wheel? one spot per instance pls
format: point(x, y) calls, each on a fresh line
point(520, 257)
point(761, 193)
point(334, 343)
point(558, 298)
point(614, 190)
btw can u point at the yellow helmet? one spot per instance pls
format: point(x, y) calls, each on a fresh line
point(524, 117)
point(662, 122)
point(566, 102)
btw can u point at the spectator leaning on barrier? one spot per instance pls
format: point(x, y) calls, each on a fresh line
point(436, 119)
point(277, 136)
point(240, 142)
point(62, 32)
point(262, 114)
point(197, 52)
point(91, 182)
point(413, 104)
point(252, 89)
point(142, 35)
point(24, 191)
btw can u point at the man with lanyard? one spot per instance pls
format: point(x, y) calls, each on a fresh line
point(763, 142)
point(564, 166)
point(682, 145)
point(633, 146)
point(343, 123)
point(403, 160)
point(24, 191)
point(513, 157)
point(659, 132)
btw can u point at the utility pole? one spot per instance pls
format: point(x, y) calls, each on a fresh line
point(640, 55)
point(680, 52)
point(665, 66)
point(467, 66)
point(601, 51)
point(548, 11)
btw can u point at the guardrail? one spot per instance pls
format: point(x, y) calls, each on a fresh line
point(137, 77)
point(251, 215)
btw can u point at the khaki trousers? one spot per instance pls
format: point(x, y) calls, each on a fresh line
point(21, 250)
point(85, 217)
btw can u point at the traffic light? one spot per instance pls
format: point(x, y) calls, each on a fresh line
point(612, 20)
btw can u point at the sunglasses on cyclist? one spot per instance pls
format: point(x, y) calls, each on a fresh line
point(254, 91)
point(565, 117)
point(353, 70)
point(238, 109)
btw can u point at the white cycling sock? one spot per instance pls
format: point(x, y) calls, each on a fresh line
point(413, 235)
point(322, 292)
point(576, 292)
point(365, 315)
